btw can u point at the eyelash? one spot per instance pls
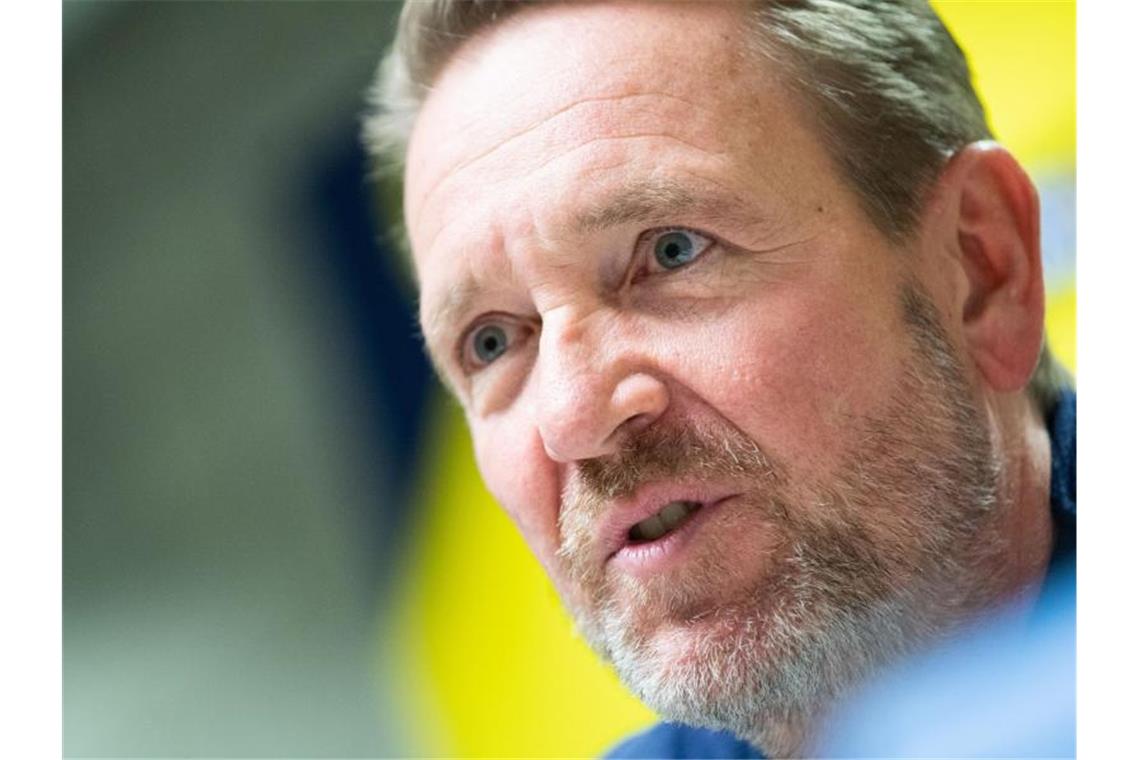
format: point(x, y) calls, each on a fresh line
point(644, 263)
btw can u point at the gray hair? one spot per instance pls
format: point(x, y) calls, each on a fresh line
point(889, 86)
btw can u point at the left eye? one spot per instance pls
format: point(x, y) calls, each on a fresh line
point(486, 343)
point(489, 343)
point(673, 249)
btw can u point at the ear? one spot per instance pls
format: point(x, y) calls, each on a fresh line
point(991, 227)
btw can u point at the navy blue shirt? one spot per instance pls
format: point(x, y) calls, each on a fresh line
point(674, 740)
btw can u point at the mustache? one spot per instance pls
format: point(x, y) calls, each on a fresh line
point(667, 450)
point(672, 450)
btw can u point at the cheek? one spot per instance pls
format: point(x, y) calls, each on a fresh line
point(522, 479)
point(794, 371)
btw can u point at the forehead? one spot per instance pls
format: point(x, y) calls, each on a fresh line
point(510, 80)
point(532, 122)
point(523, 73)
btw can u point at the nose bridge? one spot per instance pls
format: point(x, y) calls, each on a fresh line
point(592, 383)
point(569, 366)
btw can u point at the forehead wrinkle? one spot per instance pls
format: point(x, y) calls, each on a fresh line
point(565, 110)
point(637, 135)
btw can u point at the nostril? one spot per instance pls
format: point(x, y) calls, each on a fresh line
point(630, 429)
point(638, 400)
point(636, 423)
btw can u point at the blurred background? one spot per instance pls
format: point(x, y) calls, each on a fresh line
point(275, 540)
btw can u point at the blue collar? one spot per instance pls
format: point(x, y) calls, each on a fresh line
point(1058, 590)
point(1063, 479)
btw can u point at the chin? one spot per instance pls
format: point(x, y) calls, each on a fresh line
point(758, 655)
point(693, 642)
point(704, 671)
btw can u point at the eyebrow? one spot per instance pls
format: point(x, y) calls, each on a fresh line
point(660, 199)
point(649, 201)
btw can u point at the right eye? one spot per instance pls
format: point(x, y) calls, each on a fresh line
point(489, 341)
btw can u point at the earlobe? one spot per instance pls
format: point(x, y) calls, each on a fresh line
point(995, 237)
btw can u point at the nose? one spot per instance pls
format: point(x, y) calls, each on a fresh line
point(595, 389)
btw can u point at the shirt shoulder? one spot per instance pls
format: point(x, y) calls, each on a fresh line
point(674, 740)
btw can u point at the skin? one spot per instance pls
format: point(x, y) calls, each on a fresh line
point(548, 152)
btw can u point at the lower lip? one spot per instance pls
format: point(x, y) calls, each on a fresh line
point(644, 559)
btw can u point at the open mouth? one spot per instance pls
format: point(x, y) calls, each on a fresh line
point(671, 517)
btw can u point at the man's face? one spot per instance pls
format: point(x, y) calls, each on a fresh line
point(654, 295)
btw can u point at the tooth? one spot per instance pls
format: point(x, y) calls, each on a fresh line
point(673, 513)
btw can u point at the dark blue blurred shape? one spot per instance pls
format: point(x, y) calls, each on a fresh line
point(677, 740)
point(1006, 689)
point(394, 375)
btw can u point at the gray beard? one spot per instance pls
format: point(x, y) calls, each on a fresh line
point(894, 553)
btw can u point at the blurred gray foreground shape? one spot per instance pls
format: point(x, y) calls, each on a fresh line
point(216, 600)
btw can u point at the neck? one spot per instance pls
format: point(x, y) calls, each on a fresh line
point(1022, 441)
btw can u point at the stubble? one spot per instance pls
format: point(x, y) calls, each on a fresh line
point(891, 554)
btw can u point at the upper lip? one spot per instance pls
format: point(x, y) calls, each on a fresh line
point(651, 498)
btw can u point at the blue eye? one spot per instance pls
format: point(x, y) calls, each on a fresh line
point(677, 248)
point(489, 342)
